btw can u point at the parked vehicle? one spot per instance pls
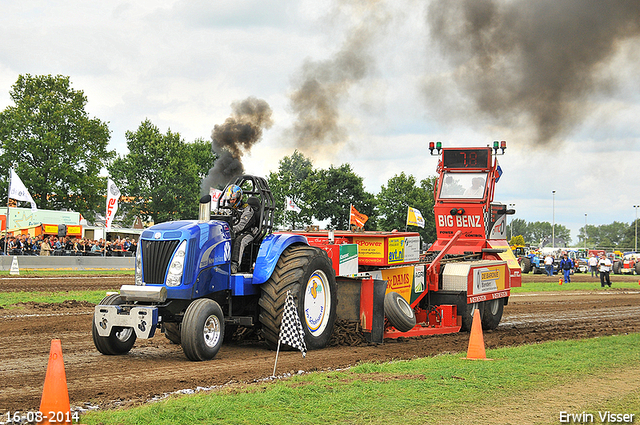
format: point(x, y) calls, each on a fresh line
point(628, 264)
point(527, 258)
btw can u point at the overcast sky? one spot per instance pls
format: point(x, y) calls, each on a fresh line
point(557, 80)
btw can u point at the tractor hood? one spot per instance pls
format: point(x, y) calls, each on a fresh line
point(207, 246)
point(203, 232)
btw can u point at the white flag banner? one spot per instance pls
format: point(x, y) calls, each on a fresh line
point(113, 194)
point(215, 195)
point(291, 206)
point(19, 192)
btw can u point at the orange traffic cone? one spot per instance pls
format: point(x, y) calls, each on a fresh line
point(55, 395)
point(476, 340)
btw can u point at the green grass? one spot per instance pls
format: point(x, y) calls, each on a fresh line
point(573, 286)
point(439, 389)
point(10, 299)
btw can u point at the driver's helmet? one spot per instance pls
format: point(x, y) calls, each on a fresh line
point(232, 196)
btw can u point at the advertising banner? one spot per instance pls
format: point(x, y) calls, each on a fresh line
point(20, 218)
point(488, 282)
point(371, 250)
point(113, 195)
point(357, 218)
point(215, 195)
point(348, 260)
point(399, 279)
point(404, 249)
point(414, 218)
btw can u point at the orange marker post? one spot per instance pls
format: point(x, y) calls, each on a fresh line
point(476, 339)
point(55, 395)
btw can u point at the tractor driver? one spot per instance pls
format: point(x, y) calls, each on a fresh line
point(477, 188)
point(244, 231)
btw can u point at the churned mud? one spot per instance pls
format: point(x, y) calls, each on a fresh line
point(155, 367)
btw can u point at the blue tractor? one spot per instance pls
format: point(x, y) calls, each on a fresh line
point(527, 259)
point(184, 285)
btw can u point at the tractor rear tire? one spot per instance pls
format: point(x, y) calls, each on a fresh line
point(492, 313)
point(617, 267)
point(637, 267)
point(399, 312)
point(307, 272)
point(120, 340)
point(202, 330)
point(172, 332)
point(525, 264)
point(467, 315)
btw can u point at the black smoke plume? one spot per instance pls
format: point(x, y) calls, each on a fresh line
point(231, 140)
point(321, 86)
point(524, 61)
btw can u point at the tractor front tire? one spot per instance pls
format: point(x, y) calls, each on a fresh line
point(492, 313)
point(120, 340)
point(202, 330)
point(399, 312)
point(307, 272)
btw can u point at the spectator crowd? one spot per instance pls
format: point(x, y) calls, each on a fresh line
point(53, 245)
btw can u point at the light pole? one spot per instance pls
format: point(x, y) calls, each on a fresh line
point(636, 247)
point(553, 225)
point(511, 227)
point(585, 233)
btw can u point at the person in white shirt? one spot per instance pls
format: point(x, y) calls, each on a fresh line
point(548, 264)
point(605, 268)
point(593, 265)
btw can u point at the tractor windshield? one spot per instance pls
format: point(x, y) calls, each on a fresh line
point(463, 185)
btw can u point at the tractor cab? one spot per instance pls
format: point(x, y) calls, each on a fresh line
point(464, 203)
point(255, 193)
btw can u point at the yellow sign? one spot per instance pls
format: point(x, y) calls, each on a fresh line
point(370, 249)
point(399, 280)
point(50, 228)
point(74, 230)
point(396, 250)
point(489, 279)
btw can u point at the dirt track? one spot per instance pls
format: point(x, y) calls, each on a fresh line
point(155, 366)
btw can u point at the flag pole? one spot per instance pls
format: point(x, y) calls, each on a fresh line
point(6, 219)
point(276, 363)
point(406, 223)
point(284, 217)
point(350, 210)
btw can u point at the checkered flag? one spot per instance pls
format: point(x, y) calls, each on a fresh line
point(291, 332)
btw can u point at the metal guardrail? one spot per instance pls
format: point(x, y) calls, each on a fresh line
point(67, 262)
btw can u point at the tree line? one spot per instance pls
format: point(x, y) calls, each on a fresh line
point(60, 152)
point(327, 194)
point(617, 235)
